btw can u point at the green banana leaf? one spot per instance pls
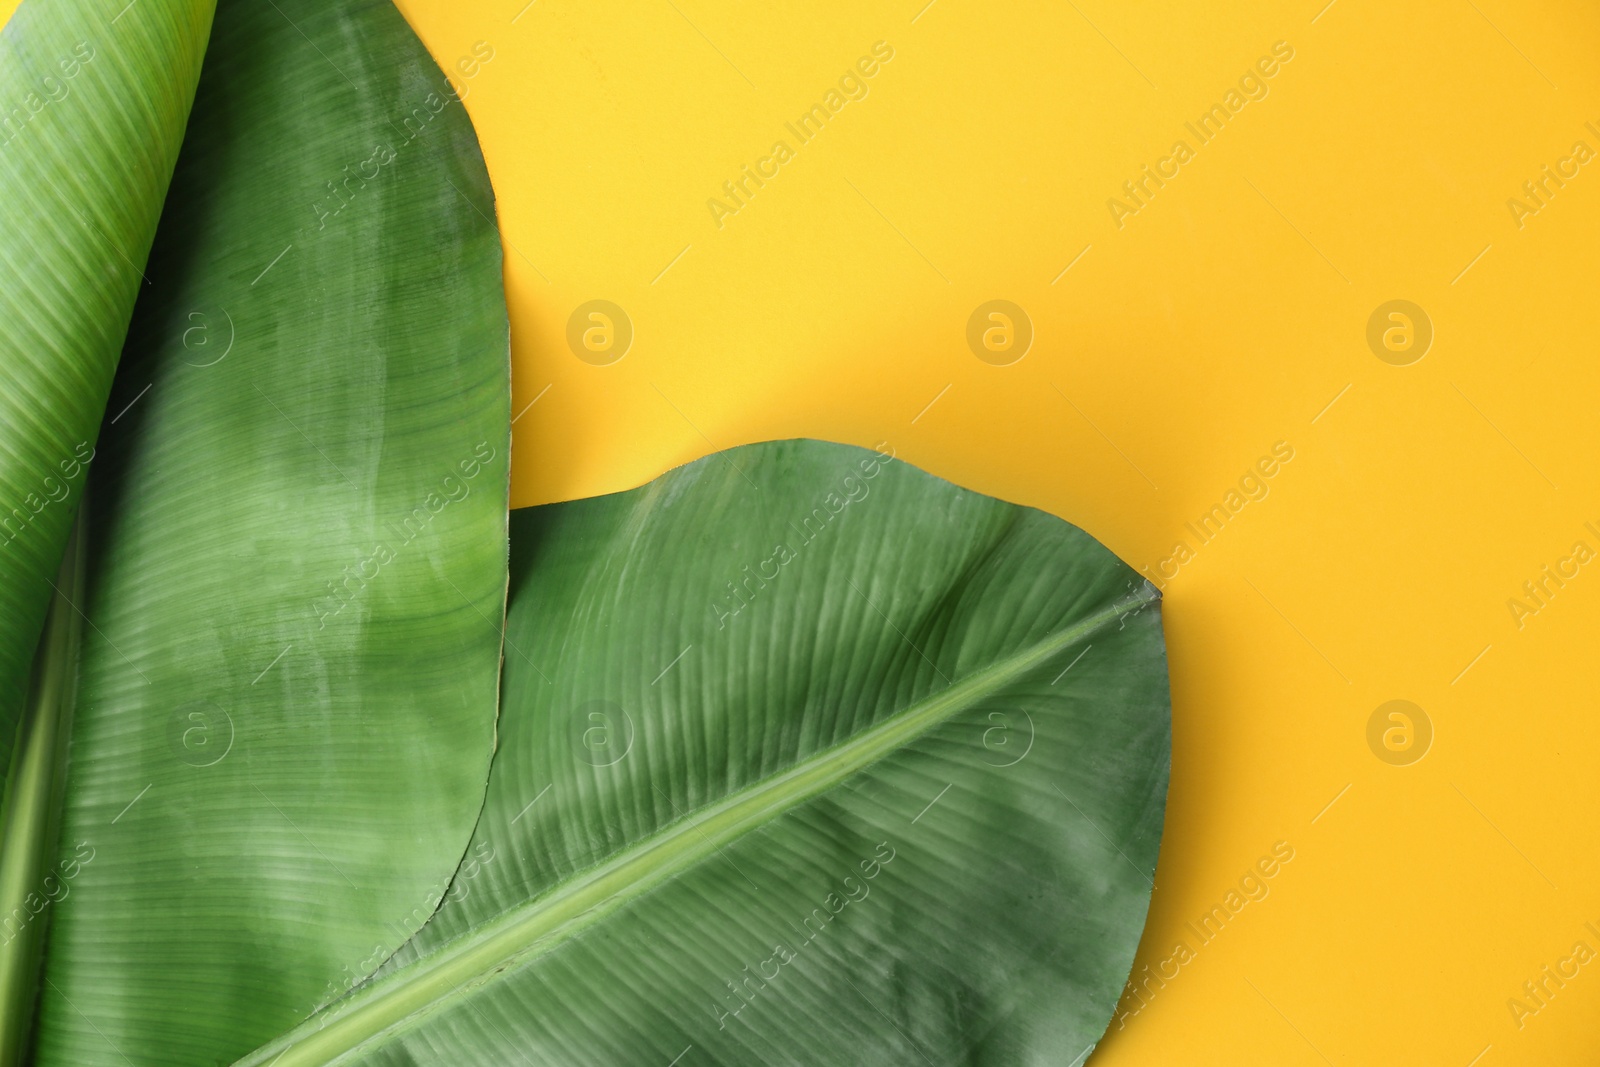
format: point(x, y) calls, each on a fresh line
point(296, 553)
point(92, 108)
point(805, 757)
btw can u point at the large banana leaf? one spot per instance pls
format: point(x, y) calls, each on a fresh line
point(297, 556)
point(91, 116)
point(806, 757)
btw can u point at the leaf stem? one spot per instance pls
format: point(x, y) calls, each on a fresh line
point(30, 811)
point(388, 1006)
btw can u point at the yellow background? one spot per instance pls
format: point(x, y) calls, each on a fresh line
point(1222, 318)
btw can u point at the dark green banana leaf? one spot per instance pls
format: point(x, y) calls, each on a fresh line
point(92, 110)
point(296, 562)
point(806, 757)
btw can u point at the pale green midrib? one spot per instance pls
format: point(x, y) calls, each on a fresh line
point(29, 810)
point(402, 999)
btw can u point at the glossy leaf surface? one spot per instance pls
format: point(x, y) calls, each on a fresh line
point(92, 110)
point(805, 757)
point(297, 561)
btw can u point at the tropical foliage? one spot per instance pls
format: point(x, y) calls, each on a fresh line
point(797, 754)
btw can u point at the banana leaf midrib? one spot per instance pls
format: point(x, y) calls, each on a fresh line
point(400, 1000)
point(30, 800)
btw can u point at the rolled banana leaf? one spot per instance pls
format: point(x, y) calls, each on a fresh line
point(295, 571)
